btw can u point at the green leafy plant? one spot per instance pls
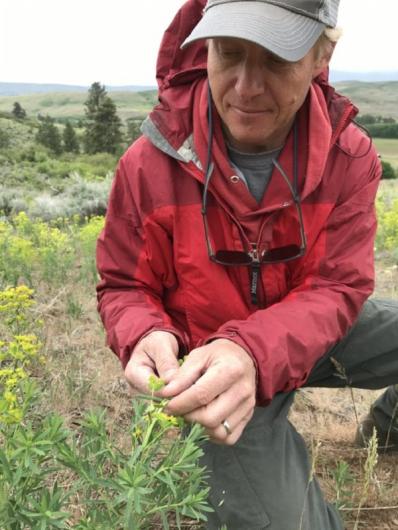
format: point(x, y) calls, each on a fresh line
point(343, 484)
point(155, 478)
point(55, 477)
point(34, 251)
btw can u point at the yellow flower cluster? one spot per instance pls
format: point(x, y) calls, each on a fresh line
point(15, 299)
point(155, 416)
point(165, 420)
point(14, 303)
point(16, 353)
point(24, 348)
point(32, 248)
point(10, 399)
point(89, 232)
point(387, 234)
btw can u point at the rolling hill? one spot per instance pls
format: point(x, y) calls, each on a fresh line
point(376, 98)
point(372, 98)
point(23, 89)
point(369, 77)
point(71, 104)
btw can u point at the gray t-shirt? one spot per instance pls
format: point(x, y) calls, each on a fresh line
point(254, 169)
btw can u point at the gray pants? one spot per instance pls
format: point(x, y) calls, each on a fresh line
point(262, 482)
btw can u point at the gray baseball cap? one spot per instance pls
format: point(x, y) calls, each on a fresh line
point(288, 28)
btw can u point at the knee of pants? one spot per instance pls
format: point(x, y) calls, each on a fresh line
point(264, 482)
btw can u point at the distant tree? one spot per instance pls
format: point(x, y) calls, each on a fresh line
point(133, 130)
point(49, 135)
point(96, 95)
point(111, 123)
point(18, 112)
point(383, 130)
point(69, 136)
point(370, 119)
point(389, 120)
point(366, 119)
point(388, 171)
point(102, 124)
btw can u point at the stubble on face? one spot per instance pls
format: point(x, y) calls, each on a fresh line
point(256, 93)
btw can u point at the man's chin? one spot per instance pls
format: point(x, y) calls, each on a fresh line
point(248, 141)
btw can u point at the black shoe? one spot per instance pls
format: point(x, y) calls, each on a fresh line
point(387, 441)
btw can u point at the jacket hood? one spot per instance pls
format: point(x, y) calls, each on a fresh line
point(174, 65)
point(169, 126)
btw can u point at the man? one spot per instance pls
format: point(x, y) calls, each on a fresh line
point(240, 230)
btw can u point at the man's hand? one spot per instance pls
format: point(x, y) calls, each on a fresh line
point(156, 354)
point(217, 382)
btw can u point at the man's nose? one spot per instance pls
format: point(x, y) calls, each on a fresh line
point(250, 80)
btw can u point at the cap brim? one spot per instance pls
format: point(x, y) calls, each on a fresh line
point(284, 33)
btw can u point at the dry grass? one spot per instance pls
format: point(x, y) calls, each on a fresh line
point(81, 373)
point(329, 416)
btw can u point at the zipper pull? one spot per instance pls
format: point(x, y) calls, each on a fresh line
point(254, 274)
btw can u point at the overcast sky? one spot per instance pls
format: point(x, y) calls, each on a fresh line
point(116, 42)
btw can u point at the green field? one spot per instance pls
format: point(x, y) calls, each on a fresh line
point(371, 98)
point(388, 149)
point(71, 104)
point(379, 99)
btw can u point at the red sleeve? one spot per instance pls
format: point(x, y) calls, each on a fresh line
point(130, 292)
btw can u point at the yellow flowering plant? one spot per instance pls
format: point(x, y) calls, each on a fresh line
point(387, 233)
point(16, 352)
point(27, 442)
point(152, 477)
point(33, 250)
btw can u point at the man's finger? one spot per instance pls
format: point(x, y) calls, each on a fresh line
point(159, 350)
point(183, 380)
point(138, 374)
point(166, 365)
point(207, 387)
point(192, 370)
point(162, 348)
point(229, 405)
point(229, 436)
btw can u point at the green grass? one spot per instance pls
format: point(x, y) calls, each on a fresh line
point(71, 104)
point(25, 162)
point(34, 180)
point(371, 98)
point(379, 99)
point(388, 149)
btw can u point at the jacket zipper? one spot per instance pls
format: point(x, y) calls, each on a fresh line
point(257, 296)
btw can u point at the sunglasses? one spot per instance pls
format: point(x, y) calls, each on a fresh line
point(254, 257)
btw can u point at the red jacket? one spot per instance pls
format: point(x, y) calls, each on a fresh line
point(152, 256)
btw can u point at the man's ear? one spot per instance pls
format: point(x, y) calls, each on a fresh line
point(323, 59)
